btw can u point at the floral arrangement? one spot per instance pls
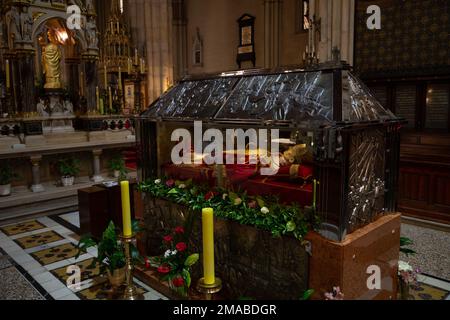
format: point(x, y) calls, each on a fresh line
point(175, 264)
point(264, 213)
point(336, 294)
point(407, 274)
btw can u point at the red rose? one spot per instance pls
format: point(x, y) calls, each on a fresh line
point(168, 239)
point(170, 183)
point(178, 282)
point(209, 196)
point(147, 263)
point(179, 230)
point(181, 247)
point(164, 269)
point(252, 204)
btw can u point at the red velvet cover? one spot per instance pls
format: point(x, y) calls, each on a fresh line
point(288, 192)
point(198, 173)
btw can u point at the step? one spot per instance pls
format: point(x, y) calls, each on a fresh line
point(32, 211)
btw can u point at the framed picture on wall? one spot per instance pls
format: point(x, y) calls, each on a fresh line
point(246, 48)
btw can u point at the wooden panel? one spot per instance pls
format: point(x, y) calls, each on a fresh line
point(437, 113)
point(442, 188)
point(424, 190)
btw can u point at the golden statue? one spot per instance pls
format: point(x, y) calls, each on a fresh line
point(51, 63)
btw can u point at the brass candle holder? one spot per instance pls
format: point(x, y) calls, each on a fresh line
point(209, 289)
point(131, 292)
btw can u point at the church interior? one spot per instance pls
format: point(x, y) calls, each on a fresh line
point(170, 149)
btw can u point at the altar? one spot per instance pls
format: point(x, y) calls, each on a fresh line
point(330, 205)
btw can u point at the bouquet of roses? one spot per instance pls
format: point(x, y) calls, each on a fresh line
point(175, 264)
point(407, 274)
point(336, 294)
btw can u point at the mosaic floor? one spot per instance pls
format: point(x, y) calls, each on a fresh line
point(34, 256)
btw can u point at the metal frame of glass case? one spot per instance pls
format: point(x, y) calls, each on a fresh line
point(356, 140)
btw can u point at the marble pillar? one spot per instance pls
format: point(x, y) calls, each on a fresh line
point(97, 177)
point(272, 28)
point(36, 173)
point(336, 28)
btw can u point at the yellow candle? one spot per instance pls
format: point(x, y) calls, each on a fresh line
point(8, 80)
point(208, 246)
point(126, 209)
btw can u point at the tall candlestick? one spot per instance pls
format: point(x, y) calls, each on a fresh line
point(110, 99)
point(126, 209)
point(120, 79)
point(105, 75)
point(8, 79)
point(208, 246)
point(129, 65)
point(315, 195)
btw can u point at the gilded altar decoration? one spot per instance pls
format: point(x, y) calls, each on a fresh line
point(51, 62)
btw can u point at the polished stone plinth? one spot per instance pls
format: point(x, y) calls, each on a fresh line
point(346, 264)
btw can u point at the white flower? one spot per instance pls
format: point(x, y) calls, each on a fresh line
point(182, 186)
point(158, 181)
point(225, 196)
point(265, 210)
point(404, 267)
point(167, 254)
point(238, 201)
point(174, 253)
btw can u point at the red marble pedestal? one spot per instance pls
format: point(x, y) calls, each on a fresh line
point(346, 264)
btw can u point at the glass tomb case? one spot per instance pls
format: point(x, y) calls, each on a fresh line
point(331, 130)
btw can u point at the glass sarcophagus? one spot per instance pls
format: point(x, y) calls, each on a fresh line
point(337, 147)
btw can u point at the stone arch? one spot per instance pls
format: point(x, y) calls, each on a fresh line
point(62, 16)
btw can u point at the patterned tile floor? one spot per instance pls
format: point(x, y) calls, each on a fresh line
point(34, 256)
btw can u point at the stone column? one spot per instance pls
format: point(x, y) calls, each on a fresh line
point(272, 25)
point(36, 170)
point(97, 167)
point(151, 26)
point(179, 39)
point(337, 28)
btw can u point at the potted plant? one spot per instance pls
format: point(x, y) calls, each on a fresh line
point(68, 168)
point(111, 254)
point(407, 276)
point(7, 176)
point(117, 166)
